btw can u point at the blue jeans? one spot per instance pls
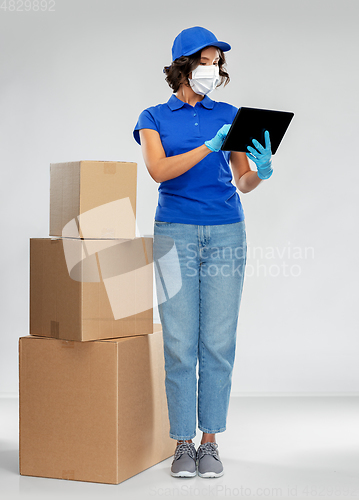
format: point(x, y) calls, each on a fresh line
point(199, 272)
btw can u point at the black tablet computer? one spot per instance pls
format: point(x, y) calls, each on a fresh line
point(251, 123)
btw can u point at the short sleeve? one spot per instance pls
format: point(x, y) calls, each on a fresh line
point(145, 120)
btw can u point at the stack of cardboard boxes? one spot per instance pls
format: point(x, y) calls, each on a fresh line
point(91, 373)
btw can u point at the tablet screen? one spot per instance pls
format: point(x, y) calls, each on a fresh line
point(251, 123)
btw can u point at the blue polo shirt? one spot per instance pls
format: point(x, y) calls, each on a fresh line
point(204, 194)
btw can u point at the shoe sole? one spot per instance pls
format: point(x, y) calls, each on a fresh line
point(211, 474)
point(183, 473)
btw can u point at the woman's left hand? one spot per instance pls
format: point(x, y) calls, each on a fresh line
point(262, 157)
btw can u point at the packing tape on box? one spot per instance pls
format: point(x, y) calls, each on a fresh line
point(109, 167)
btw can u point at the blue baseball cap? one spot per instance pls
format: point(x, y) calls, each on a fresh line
point(191, 40)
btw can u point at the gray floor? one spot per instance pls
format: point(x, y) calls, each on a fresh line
point(274, 447)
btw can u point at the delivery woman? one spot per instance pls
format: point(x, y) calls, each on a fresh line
point(200, 211)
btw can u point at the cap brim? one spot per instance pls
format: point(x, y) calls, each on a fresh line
point(221, 45)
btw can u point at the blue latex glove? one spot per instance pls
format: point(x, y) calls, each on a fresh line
point(215, 144)
point(262, 157)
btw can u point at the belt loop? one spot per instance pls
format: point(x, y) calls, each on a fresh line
point(208, 233)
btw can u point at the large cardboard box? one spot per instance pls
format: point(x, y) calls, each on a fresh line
point(92, 411)
point(93, 199)
point(91, 289)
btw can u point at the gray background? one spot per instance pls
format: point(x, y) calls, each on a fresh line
point(73, 83)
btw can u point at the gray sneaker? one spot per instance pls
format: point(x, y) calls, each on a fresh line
point(184, 462)
point(208, 461)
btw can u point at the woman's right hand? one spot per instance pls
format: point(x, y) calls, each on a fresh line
point(215, 144)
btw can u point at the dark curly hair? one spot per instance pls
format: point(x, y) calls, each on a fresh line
point(178, 72)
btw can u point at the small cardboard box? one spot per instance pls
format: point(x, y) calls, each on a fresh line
point(93, 199)
point(91, 289)
point(92, 411)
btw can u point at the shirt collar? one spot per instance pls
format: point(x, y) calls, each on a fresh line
point(174, 103)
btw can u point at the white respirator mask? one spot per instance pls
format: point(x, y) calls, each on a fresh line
point(204, 79)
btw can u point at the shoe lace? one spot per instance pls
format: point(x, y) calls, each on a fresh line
point(185, 448)
point(207, 449)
